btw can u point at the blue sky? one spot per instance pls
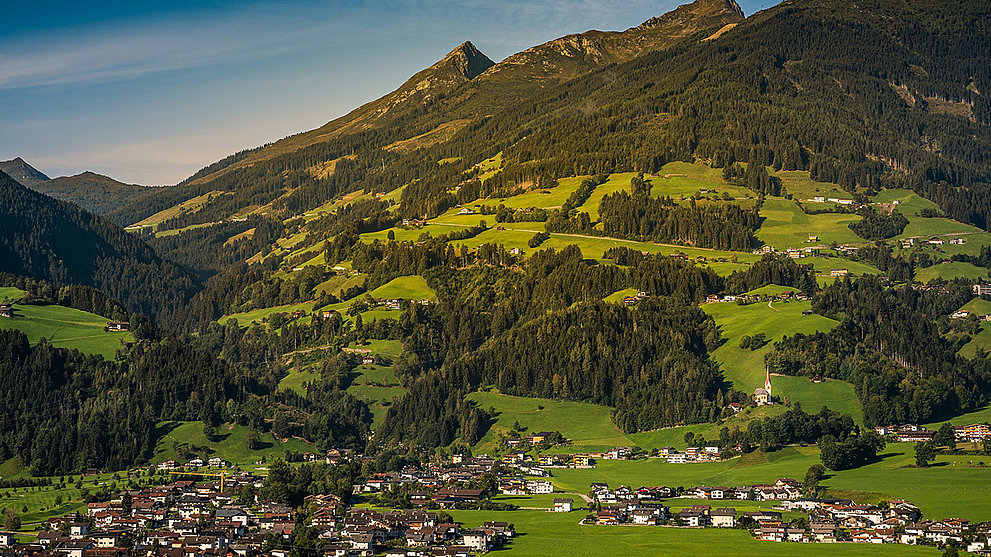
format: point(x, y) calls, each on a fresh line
point(150, 92)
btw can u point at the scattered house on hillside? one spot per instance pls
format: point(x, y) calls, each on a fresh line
point(466, 211)
point(982, 289)
point(367, 360)
point(960, 314)
point(838, 272)
point(958, 241)
point(935, 241)
point(563, 504)
point(819, 198)
point(117, 325)
point(908, 242)
point(6, 310)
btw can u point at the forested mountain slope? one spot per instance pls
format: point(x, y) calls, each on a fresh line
point(44, 238)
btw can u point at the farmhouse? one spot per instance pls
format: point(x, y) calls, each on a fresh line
point(6, 310)
point(117, 325)
point(838, 272)
point(563, 504)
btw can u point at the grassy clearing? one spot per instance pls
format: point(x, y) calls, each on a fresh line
point(800, 184)
point(977, 416)
point(65, 328)
point(257, 315)
point(909, 202)
point(745, 368)
point(950, 270)
point(681, 180)
point(924, 227)
point(615, 183)
point(589, 426)
point(617, 297)
point(11, 293)
point(980, 306)
point(378, 386)
point(186, 207)
point(787, 226)
point(41, 501)
point(551, 534)
point(174, 438)
point(981, 340)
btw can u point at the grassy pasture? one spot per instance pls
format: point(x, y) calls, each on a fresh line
point(787, 226)
point(230, 444)
point(909, 202)
point(922, 227)
point(65, 328)
point(587, 425)
point(745, 368)
point(683, 180)
point(615, 183)
point(800, 184)
point(550, 534)
point(950, 270)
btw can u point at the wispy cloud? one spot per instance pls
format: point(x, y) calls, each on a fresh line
point(119, 50)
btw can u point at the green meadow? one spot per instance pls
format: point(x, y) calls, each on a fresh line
point(787, 226)
point(745, 368)
point(64, 327)
point(950, 271)
point(174, 439)
point(956, 486)
point(549, 534)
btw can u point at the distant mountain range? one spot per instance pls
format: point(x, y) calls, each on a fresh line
point(94, 192)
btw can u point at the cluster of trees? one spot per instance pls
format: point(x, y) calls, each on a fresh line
point(878, 226)
point(773, 269)
point(852, 452)
point(889, 347)
point(645, 218)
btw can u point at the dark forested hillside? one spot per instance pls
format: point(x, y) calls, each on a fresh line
point(57, 241)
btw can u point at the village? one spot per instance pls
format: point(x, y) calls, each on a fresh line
point(406, 512)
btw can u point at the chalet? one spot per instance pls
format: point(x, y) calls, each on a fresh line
point(819, 198)
point(6, 310)
point(838, 272)
point(935, 241)
point(563, 504)
point(117, 325)
point(982, 289)
point(516, 251)
point(218, 462)
point(724, 517)
point(914, 436)
point(958, 241)
point(960, 314)
point(581, 460)
point(367, 360)
point(677, 458)
point(692, 517)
